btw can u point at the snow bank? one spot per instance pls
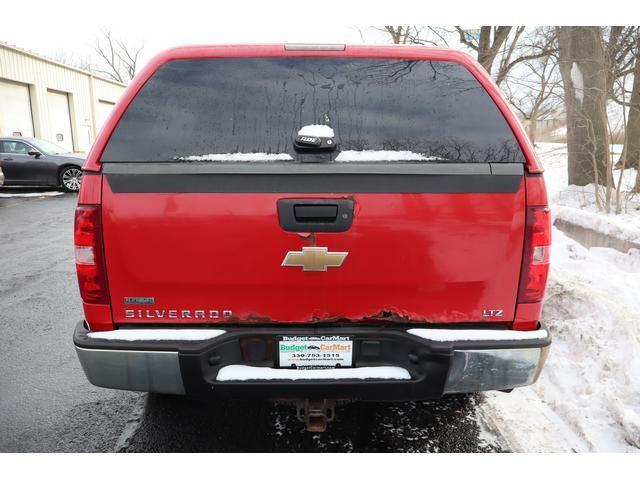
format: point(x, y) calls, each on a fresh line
point(30, 194)
point(176, 334)
point(324, 131)
point(451, 335)
point(237, 157)
point(577, 204)
point(244, 372)
point(622, 228)
point(381, 156)
point(588, 396)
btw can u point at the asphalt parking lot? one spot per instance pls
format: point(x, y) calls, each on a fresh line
point(46, 404)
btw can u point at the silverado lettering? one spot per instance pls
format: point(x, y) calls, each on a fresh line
point(161, 314)
point(381, 260)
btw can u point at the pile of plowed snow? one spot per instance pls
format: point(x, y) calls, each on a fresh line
point(588, 396)
point(577, 204)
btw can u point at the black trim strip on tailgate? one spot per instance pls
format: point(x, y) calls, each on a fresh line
point(314, 178)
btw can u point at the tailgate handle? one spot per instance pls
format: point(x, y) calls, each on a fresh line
point(315, 215)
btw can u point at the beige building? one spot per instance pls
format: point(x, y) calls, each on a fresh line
point(40, 97)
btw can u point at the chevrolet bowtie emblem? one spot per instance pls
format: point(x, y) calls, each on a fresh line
point(314, 259)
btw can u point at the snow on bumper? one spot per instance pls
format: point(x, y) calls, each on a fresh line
point(390, 363)
point(245, 372)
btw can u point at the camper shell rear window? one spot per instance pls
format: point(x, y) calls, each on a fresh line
point(254, 109)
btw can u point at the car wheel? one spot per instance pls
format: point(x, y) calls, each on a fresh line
point(70, 178)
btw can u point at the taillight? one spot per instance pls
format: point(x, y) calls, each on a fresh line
point(92, 277)
point(535, 262)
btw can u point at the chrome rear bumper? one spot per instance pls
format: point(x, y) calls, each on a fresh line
point(438, 362)
point(145, 371)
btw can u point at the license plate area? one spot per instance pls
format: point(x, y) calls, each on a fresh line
point(314, 351)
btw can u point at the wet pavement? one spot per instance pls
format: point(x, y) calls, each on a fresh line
point(46, 404)
point(180, 425)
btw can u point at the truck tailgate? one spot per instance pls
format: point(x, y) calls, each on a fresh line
point(193, 257)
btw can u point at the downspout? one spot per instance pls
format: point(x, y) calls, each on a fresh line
point(93, 108)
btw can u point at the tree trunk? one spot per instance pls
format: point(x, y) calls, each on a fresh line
point(614, 38)
point(584, 76)
point(488, 49)
point(632, 131)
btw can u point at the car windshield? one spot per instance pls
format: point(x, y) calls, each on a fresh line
point(47, 148)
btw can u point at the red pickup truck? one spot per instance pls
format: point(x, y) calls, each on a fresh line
point(312, 223)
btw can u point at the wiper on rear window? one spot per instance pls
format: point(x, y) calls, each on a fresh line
point(315, 143)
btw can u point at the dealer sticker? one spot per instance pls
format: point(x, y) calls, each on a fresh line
point(318, 351)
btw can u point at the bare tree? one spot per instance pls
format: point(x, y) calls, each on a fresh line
point(584, 77)
point(489, 42)
point(535, 92)
point(622, 160)
point(417, 35)
point(119, 58)
point(399, 34)
point(623, 54)
point(503, 47)
point(620, 50)
point(631, 153)
point(79, 61)
point(506, 47)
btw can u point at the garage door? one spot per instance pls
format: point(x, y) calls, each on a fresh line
point(104, 109)
point(60, 119)
point(15, 111)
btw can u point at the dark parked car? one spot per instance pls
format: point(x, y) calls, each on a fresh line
point(33, 161)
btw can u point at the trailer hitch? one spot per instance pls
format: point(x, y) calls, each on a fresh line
point(315, 414)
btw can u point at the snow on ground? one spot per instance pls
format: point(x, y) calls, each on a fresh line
point(623, 226)
point(578, 204)
point(588, 396)
point(29, 194)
